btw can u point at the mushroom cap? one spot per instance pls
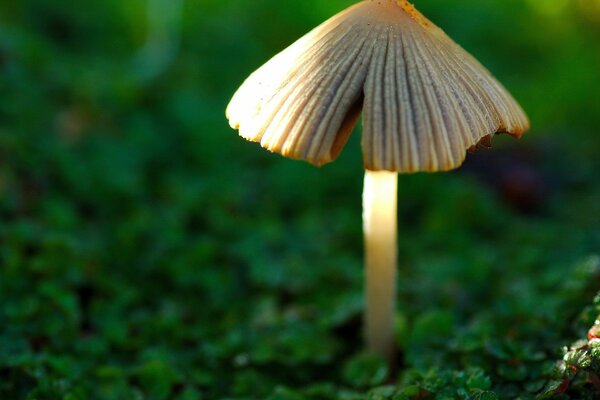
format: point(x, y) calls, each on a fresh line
point(425, 100)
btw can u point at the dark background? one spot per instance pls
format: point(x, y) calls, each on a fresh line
point(148, 252)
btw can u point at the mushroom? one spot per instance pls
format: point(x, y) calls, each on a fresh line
point(425, 103)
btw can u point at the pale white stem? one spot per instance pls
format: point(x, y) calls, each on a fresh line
point(380, 229)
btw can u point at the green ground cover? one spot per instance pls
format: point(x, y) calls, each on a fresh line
point(147, 252)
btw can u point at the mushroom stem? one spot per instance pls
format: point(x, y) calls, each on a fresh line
point(380, 230)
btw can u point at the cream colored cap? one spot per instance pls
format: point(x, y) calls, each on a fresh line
point(425, 100)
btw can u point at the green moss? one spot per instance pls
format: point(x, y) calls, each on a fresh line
point(146, 252)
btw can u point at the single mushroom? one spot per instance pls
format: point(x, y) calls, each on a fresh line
point(425, 103)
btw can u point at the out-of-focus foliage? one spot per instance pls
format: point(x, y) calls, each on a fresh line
point(146, 252)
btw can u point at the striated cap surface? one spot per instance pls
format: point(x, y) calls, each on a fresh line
point(425, 100)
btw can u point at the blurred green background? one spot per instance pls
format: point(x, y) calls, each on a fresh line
point(147, 252)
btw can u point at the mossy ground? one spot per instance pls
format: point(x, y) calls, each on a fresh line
point(146, 252)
